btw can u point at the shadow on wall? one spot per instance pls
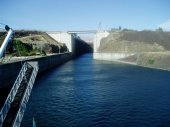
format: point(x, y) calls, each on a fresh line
point(81, 47)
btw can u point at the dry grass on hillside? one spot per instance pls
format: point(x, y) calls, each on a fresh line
point(136, 41)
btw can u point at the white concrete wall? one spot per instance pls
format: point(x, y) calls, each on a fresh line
point(63, 37)
point(111, 56)
point(106, 56)
point(97, 38)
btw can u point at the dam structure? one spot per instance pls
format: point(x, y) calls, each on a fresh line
point(83, 78)
point(75, 47)
point(74, 43)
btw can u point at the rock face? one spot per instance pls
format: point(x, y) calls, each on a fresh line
point(150, 48)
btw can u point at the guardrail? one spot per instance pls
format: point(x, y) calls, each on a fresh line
point(26, 95)
point(12, 94)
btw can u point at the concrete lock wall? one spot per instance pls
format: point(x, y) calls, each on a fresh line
point(112, 56)
point(106, 56)
point(97, 38)
point(64, 37)
point(10, 71)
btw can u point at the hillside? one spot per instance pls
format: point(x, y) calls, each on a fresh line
point(33, 43)
point(136, 41)
point(149, 48)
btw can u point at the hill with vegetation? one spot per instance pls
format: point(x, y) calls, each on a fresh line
point(30, 43)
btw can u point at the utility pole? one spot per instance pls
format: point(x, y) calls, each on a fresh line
point(100, 26)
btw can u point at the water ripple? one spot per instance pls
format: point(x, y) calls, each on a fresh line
point(87, 93)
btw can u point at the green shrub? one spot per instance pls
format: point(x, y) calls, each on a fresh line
point(32, 53)
point(21, 48)
point(151, 61)
point(24, 49)
point(43, 53)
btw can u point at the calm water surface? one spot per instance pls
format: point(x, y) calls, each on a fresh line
point(89, 93)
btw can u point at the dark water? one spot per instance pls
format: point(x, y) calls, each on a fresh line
point(89, 93)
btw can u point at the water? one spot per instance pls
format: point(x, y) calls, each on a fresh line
point(89, 93)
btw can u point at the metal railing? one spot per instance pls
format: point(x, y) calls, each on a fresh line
point(26, 95)
point(12, 93)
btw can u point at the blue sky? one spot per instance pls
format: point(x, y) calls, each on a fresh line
point(85, 14)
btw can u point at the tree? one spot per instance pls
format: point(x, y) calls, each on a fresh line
point(120, 27)
point(159, 29)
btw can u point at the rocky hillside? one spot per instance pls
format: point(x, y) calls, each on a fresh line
point(34, 43)
point(149, 48)
point(43, 42)
point(136, 41)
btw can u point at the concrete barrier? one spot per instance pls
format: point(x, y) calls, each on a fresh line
point(10, 71)
point(111, 56)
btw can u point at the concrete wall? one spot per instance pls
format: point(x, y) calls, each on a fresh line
point(97, 38)
point(10, 71)
point(75, 45)
point(64, 37)
point(111, 56)
point(106, 56)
